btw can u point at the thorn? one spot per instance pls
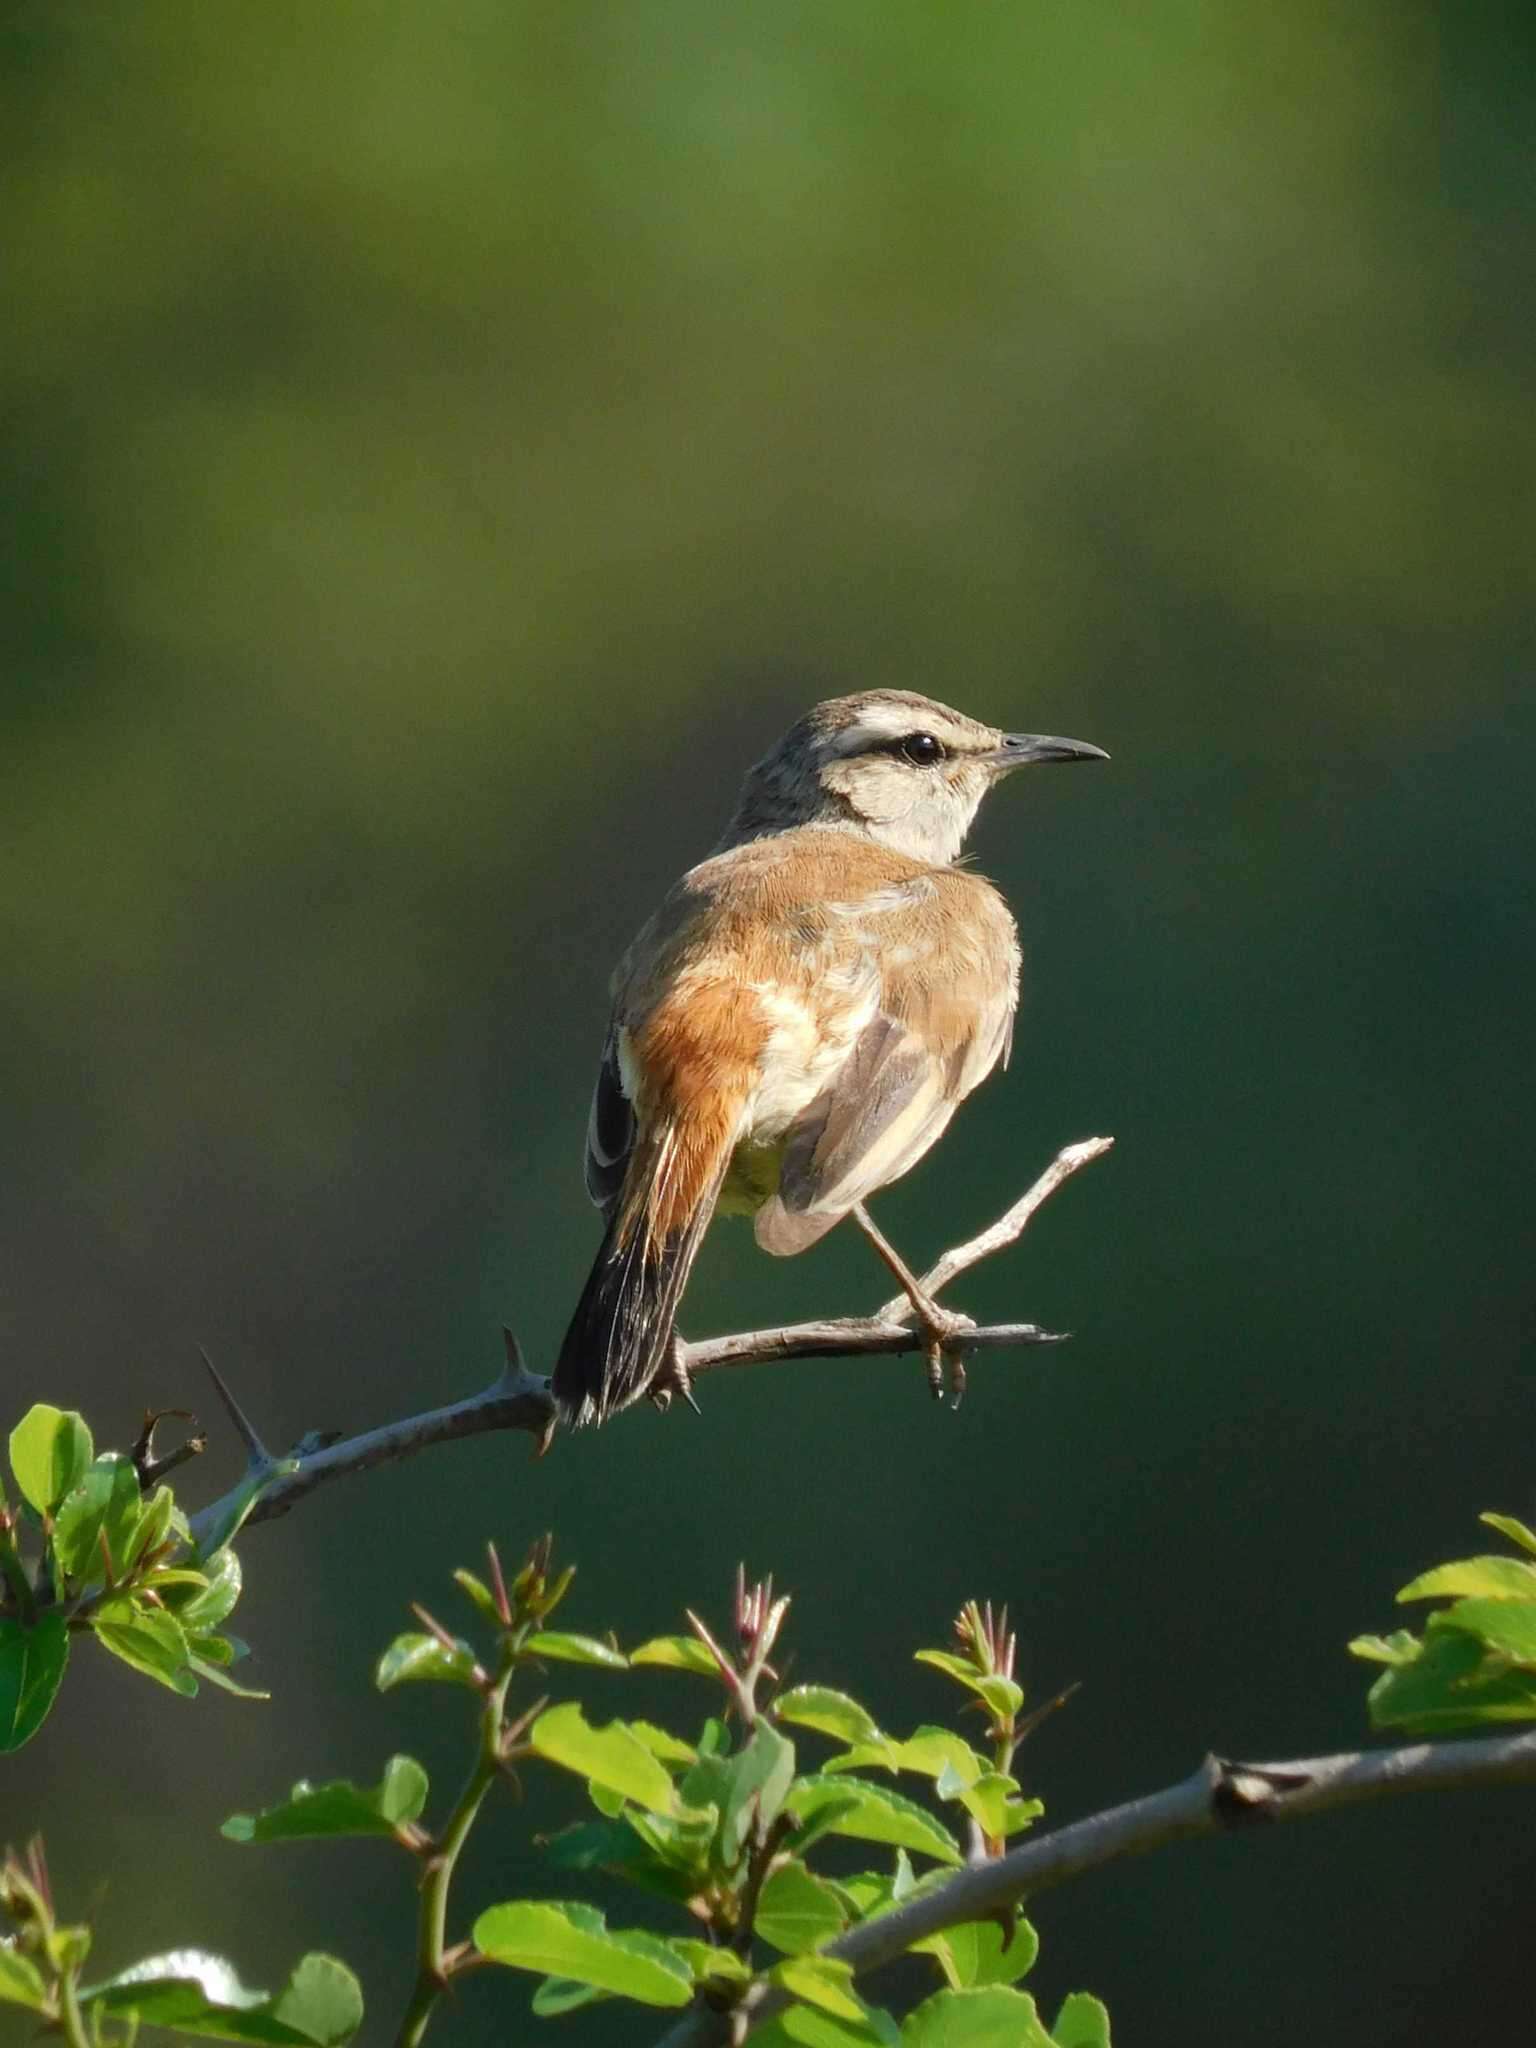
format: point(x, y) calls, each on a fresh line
point(146, 1464)
point(516, 1366)
point(256, 1451)
point(499, 1585)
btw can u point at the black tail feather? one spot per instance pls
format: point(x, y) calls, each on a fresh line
point(620, 1337)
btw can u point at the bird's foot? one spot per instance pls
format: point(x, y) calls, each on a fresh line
point(673, 1381)
point(944, 1331)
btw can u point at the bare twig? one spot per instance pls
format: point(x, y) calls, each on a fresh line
point(1007, 1230)
point(1218, 1797)
point(520, 1399)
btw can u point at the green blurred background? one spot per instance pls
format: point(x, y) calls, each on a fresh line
point(443, 445)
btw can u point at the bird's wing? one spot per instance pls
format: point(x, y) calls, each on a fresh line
point(610, 1128)
point(943, 1023)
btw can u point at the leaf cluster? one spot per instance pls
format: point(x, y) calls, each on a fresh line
point(94, 1543)
point(728, 1831)
point(1474, 1664)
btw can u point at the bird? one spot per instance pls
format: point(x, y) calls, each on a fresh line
point(797, 1023)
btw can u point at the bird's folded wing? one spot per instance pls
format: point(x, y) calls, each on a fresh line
point(610, 1130)
point(889, 1101)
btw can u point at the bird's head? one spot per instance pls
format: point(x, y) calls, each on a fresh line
point(908, 771)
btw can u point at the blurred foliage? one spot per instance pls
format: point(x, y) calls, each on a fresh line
point(441, 447)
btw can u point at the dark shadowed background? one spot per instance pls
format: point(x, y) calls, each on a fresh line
point(442, 446)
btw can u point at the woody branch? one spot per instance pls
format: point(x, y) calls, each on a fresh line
point(520, 1400)
point(1218, 1798)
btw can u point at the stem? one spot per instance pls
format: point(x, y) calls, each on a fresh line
point(432, 1967)
point(71, 2018)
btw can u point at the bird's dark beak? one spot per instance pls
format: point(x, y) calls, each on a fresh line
point(1019, 749)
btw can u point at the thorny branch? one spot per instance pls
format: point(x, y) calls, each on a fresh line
point(1218, 1797)
point(520, 1399)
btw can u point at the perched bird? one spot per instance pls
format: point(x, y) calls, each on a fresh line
point(799, 1020)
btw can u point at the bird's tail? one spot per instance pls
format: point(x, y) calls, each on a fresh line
point(620, 1337)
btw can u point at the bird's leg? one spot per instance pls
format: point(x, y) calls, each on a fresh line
point(941, 1326)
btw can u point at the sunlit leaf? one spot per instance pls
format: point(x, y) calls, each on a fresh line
point(21, 1982)
point(1083, 2022)
point(609, 1756)
point(676, 1653)
point(803, 2026)
point(32, 1662)
point(709, 1964)
point(872, 1814)
point(1488, 1578)
point(756, 1780)
point(104, 1500)
point(215, 1674)
point(414, 1659)
point(50, 1450)
point(150, 1639)
point(820, 1981)
point(338, 1808)
point(797, 1911)
point(1507, 1627)
point(564, 1648)
point(1401, 1647)
point(557, 1995)
point(189, 1992)
point(973, 1956)
point(975, 2019)
point(572, 1942)
point(200, 1612)
point(480, 1596)
point(661, 1744)
point(1517, 1532)
point(829, 1712)
point(1453, 1683)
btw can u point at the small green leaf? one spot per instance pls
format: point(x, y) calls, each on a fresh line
point(1507, 1627)
point(1398, 1648)
point(479, 1595)
point(50, 1450)
point(563, 1648)
point(610, 1756)
point(413, 1659)
point(828, 1712)
point(874, 1815)
point(204, 1611)
point(155, 1520)
point(338, 1808)
point(960, 1668)
point(1517, 1532)
point(150, 1639)
point(820, 1981)
point(667, 1748)
point(802, 2026)
point(975, 2019)
point(973, 1956)
point(1082, 2023)
point(1002, 1695)
point(104, 1499)
point(558, 1995)
point(756, 1780)
point(21, 1982)
point(710, 1965)
point(571, 1941)
point(215, 1674)
point(676, 1653)
point(1453, 1683)
point(797, 1911)
point(32, 1662)
point(189, 1992)
point(1489, 1578)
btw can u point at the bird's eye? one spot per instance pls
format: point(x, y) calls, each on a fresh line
point(921, 748)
